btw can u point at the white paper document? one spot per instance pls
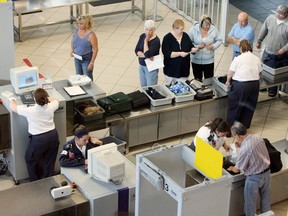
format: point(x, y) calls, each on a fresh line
point(155, 64)
point(77, 57)
point(74, 91)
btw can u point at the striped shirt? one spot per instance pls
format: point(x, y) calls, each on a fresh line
point(253, 156)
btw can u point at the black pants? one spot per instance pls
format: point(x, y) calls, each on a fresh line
point(199, 69)
point(242, 101)
point(41, 155)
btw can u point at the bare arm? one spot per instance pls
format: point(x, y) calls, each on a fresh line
point(13, 105)
point(94, 42)
point(233, 40)
point(229, 77)
point(94, 140)
point(179, 54)
point(51, 99)
point(233, 169)
point(72, 48)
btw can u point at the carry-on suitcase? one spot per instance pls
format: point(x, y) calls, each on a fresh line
point(202, 92)
point(115, 103)
point(139, 99)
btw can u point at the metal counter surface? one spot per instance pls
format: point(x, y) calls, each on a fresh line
point(218, 93)
point(93, 90)
point(277, 80)
point(91, 187)
point(282, 146)
point(105, 198)
point(34, 198)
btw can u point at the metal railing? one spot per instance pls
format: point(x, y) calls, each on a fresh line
point(192, 10)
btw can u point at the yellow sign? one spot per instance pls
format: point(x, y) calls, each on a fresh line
point(208, 160)
point(1, 1)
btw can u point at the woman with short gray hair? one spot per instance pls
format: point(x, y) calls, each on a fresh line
point(147, 47)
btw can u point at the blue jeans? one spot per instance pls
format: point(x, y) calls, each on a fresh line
point(82, 68)
point(257, 185)
point(147, 78)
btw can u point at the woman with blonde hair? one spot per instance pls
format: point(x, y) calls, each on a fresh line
point(84, 46)
point(176, 48)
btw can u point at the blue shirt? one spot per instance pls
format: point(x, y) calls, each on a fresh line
point(241, 33)
point(81, 45)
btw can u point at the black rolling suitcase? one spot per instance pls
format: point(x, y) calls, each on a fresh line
point(139, 99)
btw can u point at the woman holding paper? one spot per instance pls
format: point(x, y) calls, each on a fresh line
point(84, 46)
point(147, 47)
point(176, 48)
point(214, 133)
point(207, 39)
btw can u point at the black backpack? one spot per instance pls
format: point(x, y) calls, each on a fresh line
point(275, 157)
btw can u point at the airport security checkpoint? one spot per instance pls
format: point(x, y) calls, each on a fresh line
point(127, 171)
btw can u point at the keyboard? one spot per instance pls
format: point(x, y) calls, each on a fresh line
point(27, 98)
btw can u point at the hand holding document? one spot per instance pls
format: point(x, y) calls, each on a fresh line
point(77, 57)
point(155, 64)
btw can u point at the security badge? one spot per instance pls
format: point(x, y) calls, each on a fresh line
point(67, 151)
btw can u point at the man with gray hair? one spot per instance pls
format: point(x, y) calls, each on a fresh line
point(253, 160)
point(275, 27)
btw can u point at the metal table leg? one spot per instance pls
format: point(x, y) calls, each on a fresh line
point(20, 27)
point(155, 17)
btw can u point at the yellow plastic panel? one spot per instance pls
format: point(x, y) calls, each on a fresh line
point(208, 160)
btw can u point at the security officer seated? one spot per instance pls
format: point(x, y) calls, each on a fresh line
point(74, 152)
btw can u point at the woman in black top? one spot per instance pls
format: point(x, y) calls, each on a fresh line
point(176, 48)
point(147, 46)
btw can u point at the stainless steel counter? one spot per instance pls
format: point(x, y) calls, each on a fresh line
point(34, 198)
point(105, 198)
point(93, 91)
point(279, 188)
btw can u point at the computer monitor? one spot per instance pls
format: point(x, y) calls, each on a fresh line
point(24, 79)
point(106, 163)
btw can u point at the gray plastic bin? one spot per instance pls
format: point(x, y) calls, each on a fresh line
point(120, 143)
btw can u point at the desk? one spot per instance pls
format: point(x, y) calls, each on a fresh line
point(104, 197)
point(34, 199)
point(22, 7)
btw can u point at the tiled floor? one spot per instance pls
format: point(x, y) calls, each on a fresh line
point(116, 67)
point(258, 9)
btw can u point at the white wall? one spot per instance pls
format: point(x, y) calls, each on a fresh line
point(7, 58)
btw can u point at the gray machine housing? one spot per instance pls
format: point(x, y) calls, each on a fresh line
point(169, 184)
